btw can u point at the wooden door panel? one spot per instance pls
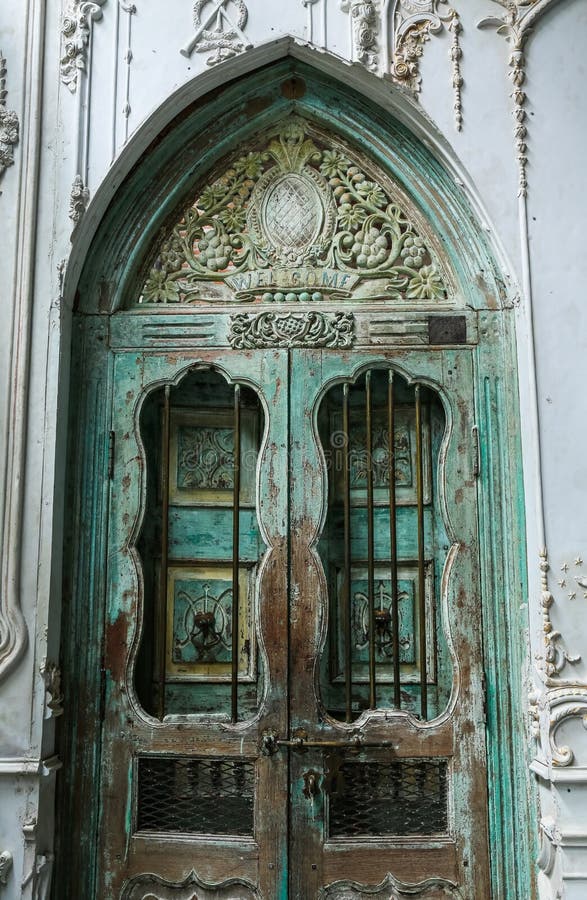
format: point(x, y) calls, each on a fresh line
point(167, 780)
point(435, 758)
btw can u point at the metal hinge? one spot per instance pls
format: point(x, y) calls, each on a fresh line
point(476, 451)
point(111, 440)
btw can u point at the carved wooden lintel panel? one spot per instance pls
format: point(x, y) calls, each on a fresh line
point(298, 217)
point(290, 329)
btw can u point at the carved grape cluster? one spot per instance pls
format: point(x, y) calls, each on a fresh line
point(215, 250)
point(413, 252)
point(370, 248)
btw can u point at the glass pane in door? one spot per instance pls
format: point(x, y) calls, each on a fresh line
point(383, 548)
point(200, 547)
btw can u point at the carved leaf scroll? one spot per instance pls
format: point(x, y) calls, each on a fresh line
point(309, 329)
point(296, 218)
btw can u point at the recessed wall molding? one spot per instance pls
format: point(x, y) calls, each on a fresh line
point(9, 125)
point(76, 30)
point(517, 21)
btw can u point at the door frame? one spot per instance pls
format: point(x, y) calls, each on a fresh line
point(500, 489)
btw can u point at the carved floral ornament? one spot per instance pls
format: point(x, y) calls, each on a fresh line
point(297, 219)
point(75, 38)
point(398, 30)
point(9, 124)
point(515, 24)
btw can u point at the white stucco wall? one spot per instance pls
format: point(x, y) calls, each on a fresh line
point(90, 133)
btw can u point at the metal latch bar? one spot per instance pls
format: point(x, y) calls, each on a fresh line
point(271, 743)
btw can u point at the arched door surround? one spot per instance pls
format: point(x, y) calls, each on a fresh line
point(291, 634)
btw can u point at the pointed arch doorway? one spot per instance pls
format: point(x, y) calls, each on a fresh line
point(290, 694)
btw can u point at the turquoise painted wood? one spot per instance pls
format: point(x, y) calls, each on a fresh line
point(119, 359)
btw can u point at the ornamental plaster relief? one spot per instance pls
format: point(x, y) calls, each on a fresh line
point(76, 32)
point(559, 700)
point(78, 200)
point(219, 27)
point(515, 24)
point(556, 656)
point(9, 124)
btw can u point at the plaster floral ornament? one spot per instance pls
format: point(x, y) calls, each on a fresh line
point(413, 23)
point(365, 24)
point(299, 217)
point(515, 24)
point(75, 38)
point(8, 124)
point(78, 200)
point(219, 27)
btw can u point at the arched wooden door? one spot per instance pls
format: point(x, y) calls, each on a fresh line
point(292, 673)
point(344, 750)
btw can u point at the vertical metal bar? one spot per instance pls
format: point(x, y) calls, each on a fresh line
point(236, 551)
point(370, 542)
point(164, 549)
point(393, 541)
point(348, 661)
point(421, 572)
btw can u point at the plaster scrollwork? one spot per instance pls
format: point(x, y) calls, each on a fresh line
point(515, 24)
point(75, 34)
point(557, 706)
point(9, 125)
point(412, 24)
point(219, 27)
point(556, 655)
point(78, 200)
point(365, 25)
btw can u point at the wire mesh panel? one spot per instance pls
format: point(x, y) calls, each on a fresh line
point(195, 796)
point(405, 796)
